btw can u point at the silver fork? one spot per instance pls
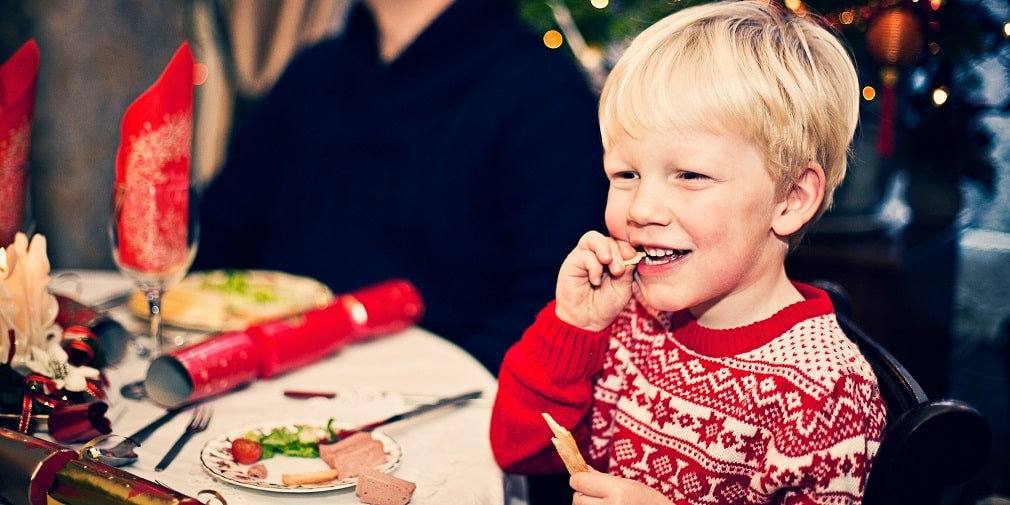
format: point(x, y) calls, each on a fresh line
point(201, 418)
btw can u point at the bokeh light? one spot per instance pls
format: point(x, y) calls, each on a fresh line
point(940, 96)
point(200, 73)
point(553, 39)
point(869, 93)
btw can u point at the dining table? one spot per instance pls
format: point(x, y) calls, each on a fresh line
point(446, 452)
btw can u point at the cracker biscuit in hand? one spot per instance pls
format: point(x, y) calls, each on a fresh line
point(566, 446)
point(634, 260)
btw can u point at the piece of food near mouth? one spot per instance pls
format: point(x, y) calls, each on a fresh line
point(634, 260)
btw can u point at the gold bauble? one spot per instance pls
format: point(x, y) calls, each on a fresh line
point(893, 37)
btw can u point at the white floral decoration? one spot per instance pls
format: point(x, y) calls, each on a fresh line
point(26, 306)
point(54, 363)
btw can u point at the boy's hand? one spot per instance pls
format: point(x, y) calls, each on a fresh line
point(594, 283)
point(596, 488)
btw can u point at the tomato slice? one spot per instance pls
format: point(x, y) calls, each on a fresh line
point(246, 451)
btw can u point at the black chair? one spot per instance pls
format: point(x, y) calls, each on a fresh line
point(929, 445)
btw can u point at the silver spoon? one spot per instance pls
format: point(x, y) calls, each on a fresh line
point(122, 454)
point(119, 455)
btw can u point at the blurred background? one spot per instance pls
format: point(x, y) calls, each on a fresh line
point(919, 236)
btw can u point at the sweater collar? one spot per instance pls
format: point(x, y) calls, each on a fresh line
point(729, 342)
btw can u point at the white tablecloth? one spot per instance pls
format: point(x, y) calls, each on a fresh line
point(446, 452)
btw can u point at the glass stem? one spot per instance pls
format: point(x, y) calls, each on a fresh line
point(154, 304)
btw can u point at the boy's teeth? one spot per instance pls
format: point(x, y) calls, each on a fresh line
point(659, 256)
point(660, 252)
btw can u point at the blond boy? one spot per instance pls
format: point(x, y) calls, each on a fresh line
point(703, 374)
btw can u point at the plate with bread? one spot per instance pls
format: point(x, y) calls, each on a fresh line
point(224, 300)
point(299, 457)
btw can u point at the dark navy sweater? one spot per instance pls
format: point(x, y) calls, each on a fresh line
point(470, 165)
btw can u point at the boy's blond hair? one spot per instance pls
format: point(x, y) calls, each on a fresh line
point(750, 68)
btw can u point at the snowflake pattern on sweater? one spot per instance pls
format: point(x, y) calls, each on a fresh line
point(796, 419)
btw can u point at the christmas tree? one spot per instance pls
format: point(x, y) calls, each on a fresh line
point(917, 60)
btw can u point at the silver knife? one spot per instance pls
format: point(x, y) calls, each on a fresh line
point(416, 411)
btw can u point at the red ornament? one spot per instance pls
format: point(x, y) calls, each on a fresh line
point(894, 40)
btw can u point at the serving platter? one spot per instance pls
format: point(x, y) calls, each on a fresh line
point(223, 300)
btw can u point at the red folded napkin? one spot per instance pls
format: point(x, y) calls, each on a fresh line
point(151, 198)
point(17, 105)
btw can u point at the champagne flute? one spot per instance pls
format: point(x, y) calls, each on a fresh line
point(153, 233)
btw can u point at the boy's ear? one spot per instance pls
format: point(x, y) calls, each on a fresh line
point(801, 202)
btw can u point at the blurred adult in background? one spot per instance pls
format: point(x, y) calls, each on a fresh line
point(433, 140)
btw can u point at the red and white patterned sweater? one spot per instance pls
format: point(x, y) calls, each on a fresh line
point(785, 410)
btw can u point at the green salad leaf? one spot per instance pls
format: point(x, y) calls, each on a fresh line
point(300, 440)
point(237, 283)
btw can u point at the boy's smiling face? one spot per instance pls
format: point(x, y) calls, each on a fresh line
point(704, 206)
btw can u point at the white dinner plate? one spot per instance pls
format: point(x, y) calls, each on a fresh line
point(221, 300)
point(217, 460)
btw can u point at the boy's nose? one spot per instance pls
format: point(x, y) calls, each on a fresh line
point(649, 206)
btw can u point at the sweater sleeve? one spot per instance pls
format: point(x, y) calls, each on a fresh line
point(551, 369)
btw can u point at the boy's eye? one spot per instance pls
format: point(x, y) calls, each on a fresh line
point(627, 175)
point(692, 176)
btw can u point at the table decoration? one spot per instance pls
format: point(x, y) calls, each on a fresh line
point(88, 323)
point(29, 465)
point(17, 104)
point(45, 370)
point(231, 359)
point(84, 481)
point(39, 472)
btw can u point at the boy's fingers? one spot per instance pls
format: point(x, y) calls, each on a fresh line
point(587, 484)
